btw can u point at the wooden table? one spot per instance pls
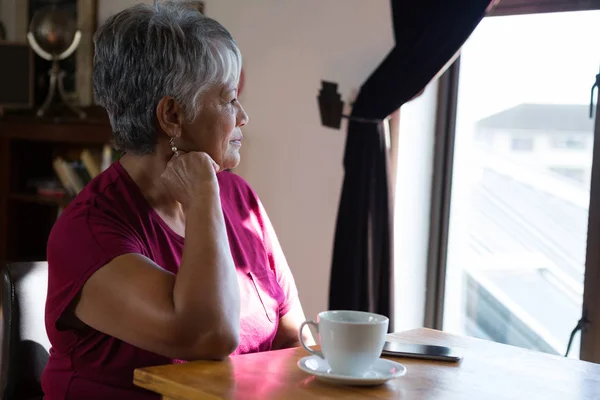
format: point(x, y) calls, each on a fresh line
point(488, 371)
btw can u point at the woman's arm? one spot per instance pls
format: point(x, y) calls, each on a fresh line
point(289, 325)
point(193, 315)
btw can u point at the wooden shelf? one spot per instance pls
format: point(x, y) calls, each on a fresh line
point(25, 126)
point(40, 199)
point(28, 146)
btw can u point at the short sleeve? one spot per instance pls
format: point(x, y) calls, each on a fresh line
point(82, 241)
point(279, 264)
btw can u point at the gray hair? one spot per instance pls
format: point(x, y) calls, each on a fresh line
point(144, 53)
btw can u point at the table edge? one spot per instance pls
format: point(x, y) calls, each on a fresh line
point(151, 382)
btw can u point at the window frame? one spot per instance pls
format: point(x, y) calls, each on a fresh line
point(590, 333)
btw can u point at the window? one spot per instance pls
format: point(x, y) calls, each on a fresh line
point(521, 144)
point(518, 225)
point(569, 142)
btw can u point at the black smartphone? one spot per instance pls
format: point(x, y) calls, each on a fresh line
point(421, 351)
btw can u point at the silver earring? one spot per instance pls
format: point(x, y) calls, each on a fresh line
point(173, 147)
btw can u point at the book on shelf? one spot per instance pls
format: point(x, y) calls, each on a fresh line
point(92, 162)
point(74, 173)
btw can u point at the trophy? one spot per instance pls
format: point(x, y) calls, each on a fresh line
point(53, 36)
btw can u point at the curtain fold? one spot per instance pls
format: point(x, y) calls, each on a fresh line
point(428, 33)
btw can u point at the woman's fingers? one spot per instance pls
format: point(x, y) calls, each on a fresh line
point(216, 166)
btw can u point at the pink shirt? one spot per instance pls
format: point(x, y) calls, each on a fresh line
point(110, 217)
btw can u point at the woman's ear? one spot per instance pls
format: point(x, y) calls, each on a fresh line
point(170, 116)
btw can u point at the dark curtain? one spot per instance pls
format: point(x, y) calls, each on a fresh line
point(428, 33)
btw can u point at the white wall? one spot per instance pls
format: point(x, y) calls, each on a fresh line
point(294, 163)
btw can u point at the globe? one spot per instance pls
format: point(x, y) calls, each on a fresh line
point(54, 29)
point(54, 36)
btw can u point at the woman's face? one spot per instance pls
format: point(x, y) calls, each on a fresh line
point(216, 129)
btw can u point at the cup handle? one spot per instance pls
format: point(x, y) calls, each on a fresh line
point(311, 351)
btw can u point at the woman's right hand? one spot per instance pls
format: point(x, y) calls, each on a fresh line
point(190, 175)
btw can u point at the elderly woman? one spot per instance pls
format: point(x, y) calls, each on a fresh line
point(165, 257)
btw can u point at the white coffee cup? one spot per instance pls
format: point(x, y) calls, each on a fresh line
point(351, 341)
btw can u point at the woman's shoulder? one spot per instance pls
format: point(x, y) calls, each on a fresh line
point(108, 193)
point(230, 178)
point(106, 202)
point(233, 185)
point(96, 227)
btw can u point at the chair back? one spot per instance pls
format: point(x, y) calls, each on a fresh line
point(24, 343)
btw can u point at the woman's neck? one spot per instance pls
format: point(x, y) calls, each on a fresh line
point(146, 172)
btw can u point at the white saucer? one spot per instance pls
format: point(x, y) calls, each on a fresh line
point(381, 371)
